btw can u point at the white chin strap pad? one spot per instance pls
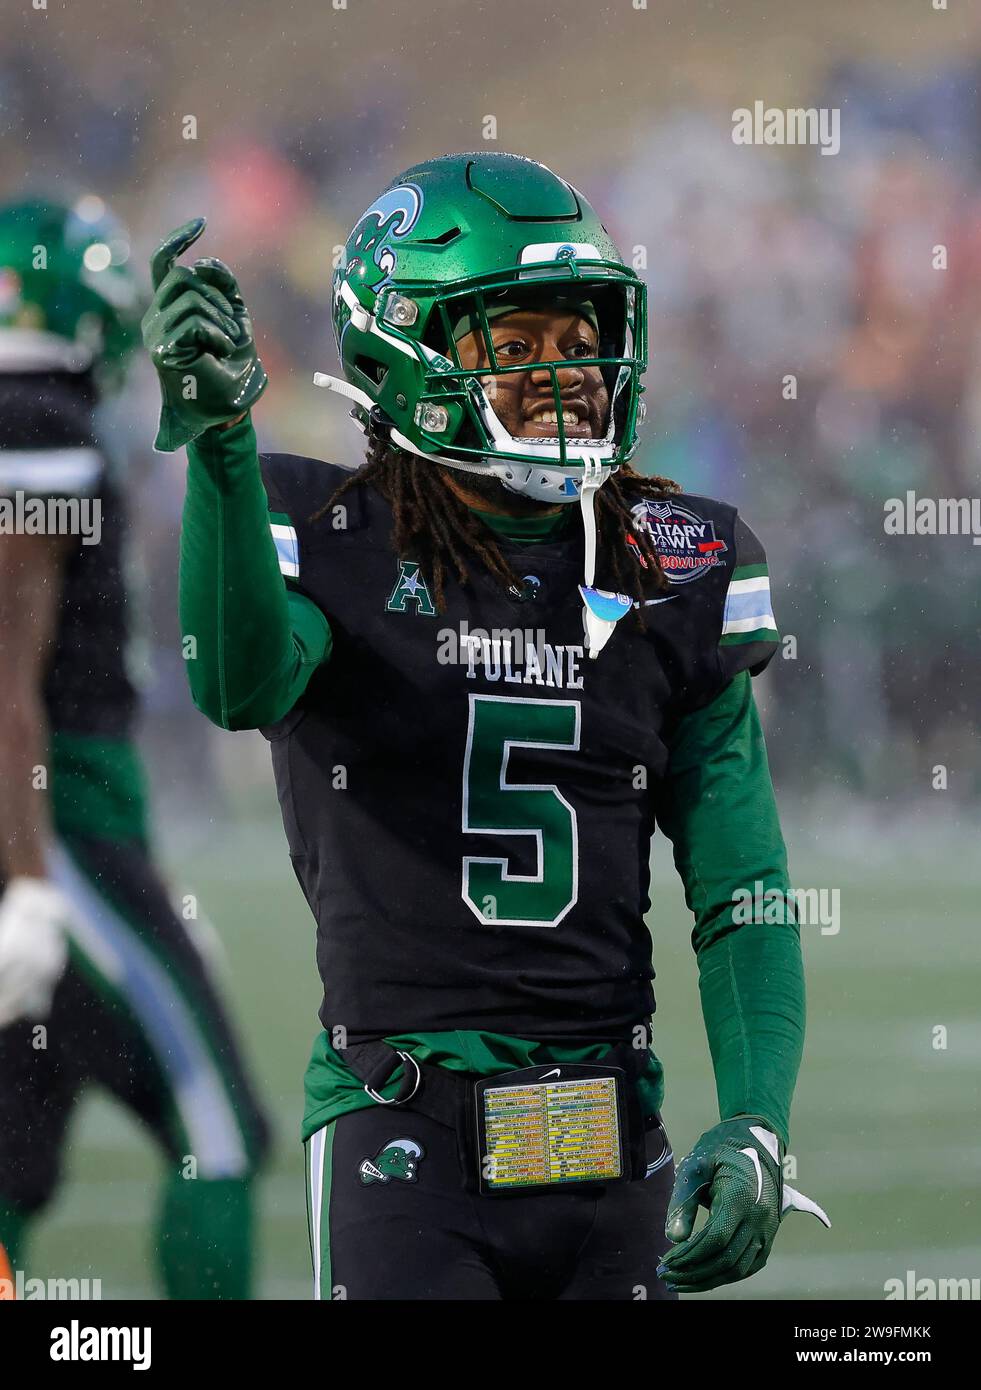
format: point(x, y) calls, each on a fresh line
point(601, 609)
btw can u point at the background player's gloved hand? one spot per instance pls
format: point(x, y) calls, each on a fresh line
point(735, 1170)
point(34, 919)
point(198, 333)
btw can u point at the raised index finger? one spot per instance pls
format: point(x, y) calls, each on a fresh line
point(173, 247)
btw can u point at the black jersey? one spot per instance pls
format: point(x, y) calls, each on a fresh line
point(48, 454)
point(468, 796)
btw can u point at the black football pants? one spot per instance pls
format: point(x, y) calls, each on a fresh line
point(418, 1233)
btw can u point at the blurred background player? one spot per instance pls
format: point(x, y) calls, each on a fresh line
point(99, 979)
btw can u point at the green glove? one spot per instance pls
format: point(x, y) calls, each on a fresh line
point(198, 333)
point(736, 1170)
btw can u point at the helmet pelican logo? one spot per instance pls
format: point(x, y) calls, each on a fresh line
point(394, 214)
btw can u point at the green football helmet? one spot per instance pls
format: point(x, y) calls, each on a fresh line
point(454, 241)
point(68, 300)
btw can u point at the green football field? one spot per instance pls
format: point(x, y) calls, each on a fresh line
point(885, 1122)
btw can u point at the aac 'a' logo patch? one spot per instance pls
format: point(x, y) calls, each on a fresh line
point(687, 544)
point(410, 587)
point(399, 1159)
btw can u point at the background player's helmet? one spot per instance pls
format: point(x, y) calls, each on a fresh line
point(68, 299)
point(452, 242)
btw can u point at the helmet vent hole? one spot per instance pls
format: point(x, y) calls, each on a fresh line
point(376, 372)
point(443, 239)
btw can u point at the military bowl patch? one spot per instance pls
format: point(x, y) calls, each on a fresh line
point(687, 544)
point(398, 1159)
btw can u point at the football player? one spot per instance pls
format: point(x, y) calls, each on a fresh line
point(99, 980)
point(487, 662)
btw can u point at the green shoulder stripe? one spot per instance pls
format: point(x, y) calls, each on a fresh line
point(760, 634)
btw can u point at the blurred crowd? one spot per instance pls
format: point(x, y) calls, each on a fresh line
point(763, 264)
point(829, 271)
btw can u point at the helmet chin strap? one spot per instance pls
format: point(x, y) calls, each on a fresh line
point(601, 610)
point(343, 388)
point(592, 481)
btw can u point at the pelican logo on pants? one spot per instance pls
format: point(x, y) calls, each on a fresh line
point(398, 1159)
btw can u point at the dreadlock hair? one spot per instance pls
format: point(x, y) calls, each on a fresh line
point(437, 530)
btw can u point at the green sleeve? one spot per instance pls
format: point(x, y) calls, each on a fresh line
point(255, 643)
point(717, 807)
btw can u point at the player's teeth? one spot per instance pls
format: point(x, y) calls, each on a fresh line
point(550, 417)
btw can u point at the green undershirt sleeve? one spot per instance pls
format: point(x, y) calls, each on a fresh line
point(718, 809)
point(251, 644)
